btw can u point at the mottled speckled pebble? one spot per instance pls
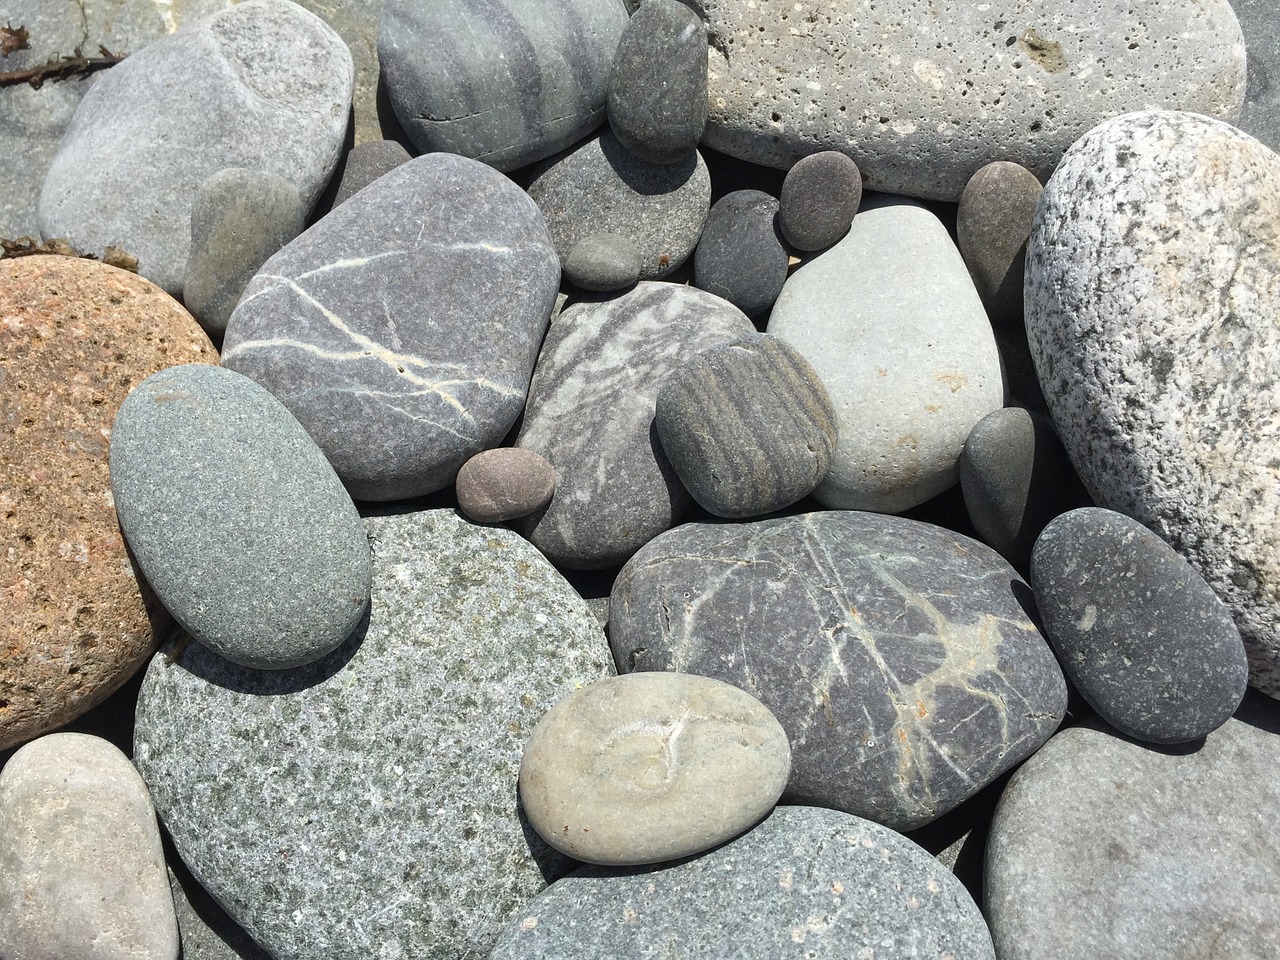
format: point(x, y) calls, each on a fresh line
point(603, 262)
point(740, 255)
point(504, 483)
point(820, 196)
point(992, 225)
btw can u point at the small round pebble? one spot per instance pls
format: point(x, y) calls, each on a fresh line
point(820, 195)
point(603, 262)
point(504, 483)
point(1145, 640)
point(365, 163)
point(993, 223)
point(740, 255)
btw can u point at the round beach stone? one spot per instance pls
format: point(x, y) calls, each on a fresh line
point(1151, 315)
point(603, 262)
point(1141, 635)
point(75, 337)
point(993, 222)
point(651, 767)
point(820, 196)
point(238, 521)
point(365, 163)
point(503, 484)
point(806, 882)
point(748, 426)
point(81, 867)
point(740, 256)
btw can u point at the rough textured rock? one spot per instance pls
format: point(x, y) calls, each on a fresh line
point(892, 324)
point(365, 163)
point(748, 426)
point(993, 222)
point(811, 880)
point(651, 767)
point(740, 254)
point(590, 414)
point(356, 22)
point(401, 330)
point(600, 187)
point(898, 656)
point(81, 867)
point(365, 805)
point(503, 484)
point(819, 198)
point(921, 96)
point(264, 84)
point(603, 262)
point(1105, 847)
point(507, 82)
point(1141, 635)
point(75, 337)
point(1152, 286)
point(236, 518)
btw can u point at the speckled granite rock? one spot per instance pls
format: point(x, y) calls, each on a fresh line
point(805, 883)
point(75, 337)
point(457, 264)
point(1151, 306)
point(81, 868)
point(1102, 847)
point(898, 656)
point(922, 95)
point(262, 84)
point(590, 414)
point(236, 518)
point(365, 805)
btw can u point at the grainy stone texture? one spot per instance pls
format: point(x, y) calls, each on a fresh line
point(921, 95)
point(81, 868)
point(75, 337)
point(365, 163)
point(240, 218)
point(1260, 116)
point(748, 426)
point(401, 329)
point(892, 324)
point(264, 84)
point(1153, 278)
point(600, 187)
point(356, 22)
point(603, 262)
point(820, 196)
point(1141, 635)
point(805, 883)
point(1102, 847)
point(365, 805)
point(236, 518)
point(651, 767)
point(204, 928)
point(658, 87)
point(740, 254)
point(898, 656)
point(503, 484)
point(993, 222)
point(508, 82)
point(590, 414)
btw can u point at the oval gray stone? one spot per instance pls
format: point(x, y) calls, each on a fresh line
point(740, 255)
point(651, 767)
point(365, 805)
point(892, 324)
point(921, 95)
point(603, 262)
point(899, 657)
point(806, 882)
point(264, 84)
point(1151, 307)
point(993, 222)
point(401, 330)
point(236, 519)
point(503, 484)
point(81, 867)
point(819, 198)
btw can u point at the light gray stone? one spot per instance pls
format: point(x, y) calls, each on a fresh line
point(236, 519)
point(921, 95)
point(891, 322)
point(365, 806)
point(651, 767)
point(264, 84)
point(1152, 292)
point(81, 868)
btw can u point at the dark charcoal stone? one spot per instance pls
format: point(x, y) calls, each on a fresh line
point(820, 196)
point(740, 255)
point(992, 225)
point(748, 426)
point(401, 329)
point(1145, 640)
point(603, 262)
point(365, 163)
point(806, 882)
point(658, 88)
point(898, 656)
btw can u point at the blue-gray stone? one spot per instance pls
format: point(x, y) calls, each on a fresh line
point(899, 657)
point(235, 517)
point(365, 805)
point(1260, 116)
point(508, 82)
point(603, 262)
point(1141, 635)
point(806, 882)
point(401, 329)
point(740, 254)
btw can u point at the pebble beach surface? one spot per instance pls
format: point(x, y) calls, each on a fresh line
point(639, 479)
